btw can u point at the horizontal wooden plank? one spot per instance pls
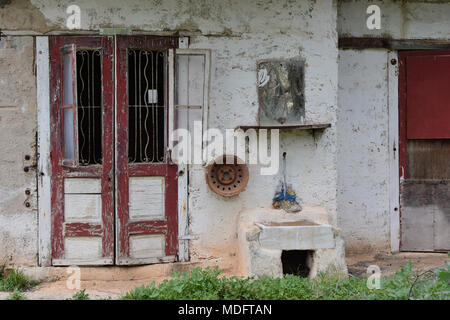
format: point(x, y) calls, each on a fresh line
point(82, 262)
point(134, 261)
point(147, 227)
point(82, 185)
point(396, 44)
point(146, 197)
point(83, 248)
point(78, 229)
point(147, 246)
point(146, 170)
point(82, 207)
point(94, 171)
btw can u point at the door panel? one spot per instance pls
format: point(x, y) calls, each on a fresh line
point(82, 150)
point(424, 112)
point(146, 185)
point(428, 111)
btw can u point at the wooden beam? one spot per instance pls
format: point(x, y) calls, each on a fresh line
point(395, 44)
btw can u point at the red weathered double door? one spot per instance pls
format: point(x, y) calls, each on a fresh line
point(114, 191)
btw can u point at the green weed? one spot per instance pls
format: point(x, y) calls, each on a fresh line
point(16, 295)
point(80, 295)
point(15, 280)
point(207, 285)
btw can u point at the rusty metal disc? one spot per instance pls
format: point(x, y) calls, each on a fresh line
point(227, 179)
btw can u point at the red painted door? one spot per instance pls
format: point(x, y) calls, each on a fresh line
point(146, 185)
point(81, 102)
point(111, 172)
point(424, 112)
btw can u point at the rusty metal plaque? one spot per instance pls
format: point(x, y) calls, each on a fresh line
point(281, 92)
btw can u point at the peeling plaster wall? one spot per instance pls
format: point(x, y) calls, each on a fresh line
point(18, 223)
point(239, 33)
point(363, 154)
point(21, 15)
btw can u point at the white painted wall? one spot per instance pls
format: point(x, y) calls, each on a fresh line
point(363, 150)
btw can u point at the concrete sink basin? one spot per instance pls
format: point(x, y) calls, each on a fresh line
point(295, 235)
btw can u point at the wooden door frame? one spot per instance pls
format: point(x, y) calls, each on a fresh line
point(44, 168)
point(393, 146)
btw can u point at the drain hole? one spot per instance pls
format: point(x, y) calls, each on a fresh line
point(297, 262)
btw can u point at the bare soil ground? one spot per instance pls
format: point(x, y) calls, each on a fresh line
point(114, 289)
point(389, 263)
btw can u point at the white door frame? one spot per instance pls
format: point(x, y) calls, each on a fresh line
point(394, 178)
point(43, 149)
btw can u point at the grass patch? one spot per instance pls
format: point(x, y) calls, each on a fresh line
point(207, 285)
point(16, 295)
point(14, 280)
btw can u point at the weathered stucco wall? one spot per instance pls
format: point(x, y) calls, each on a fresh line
point(18, 210)
point(239, 33)
point(363, 156)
